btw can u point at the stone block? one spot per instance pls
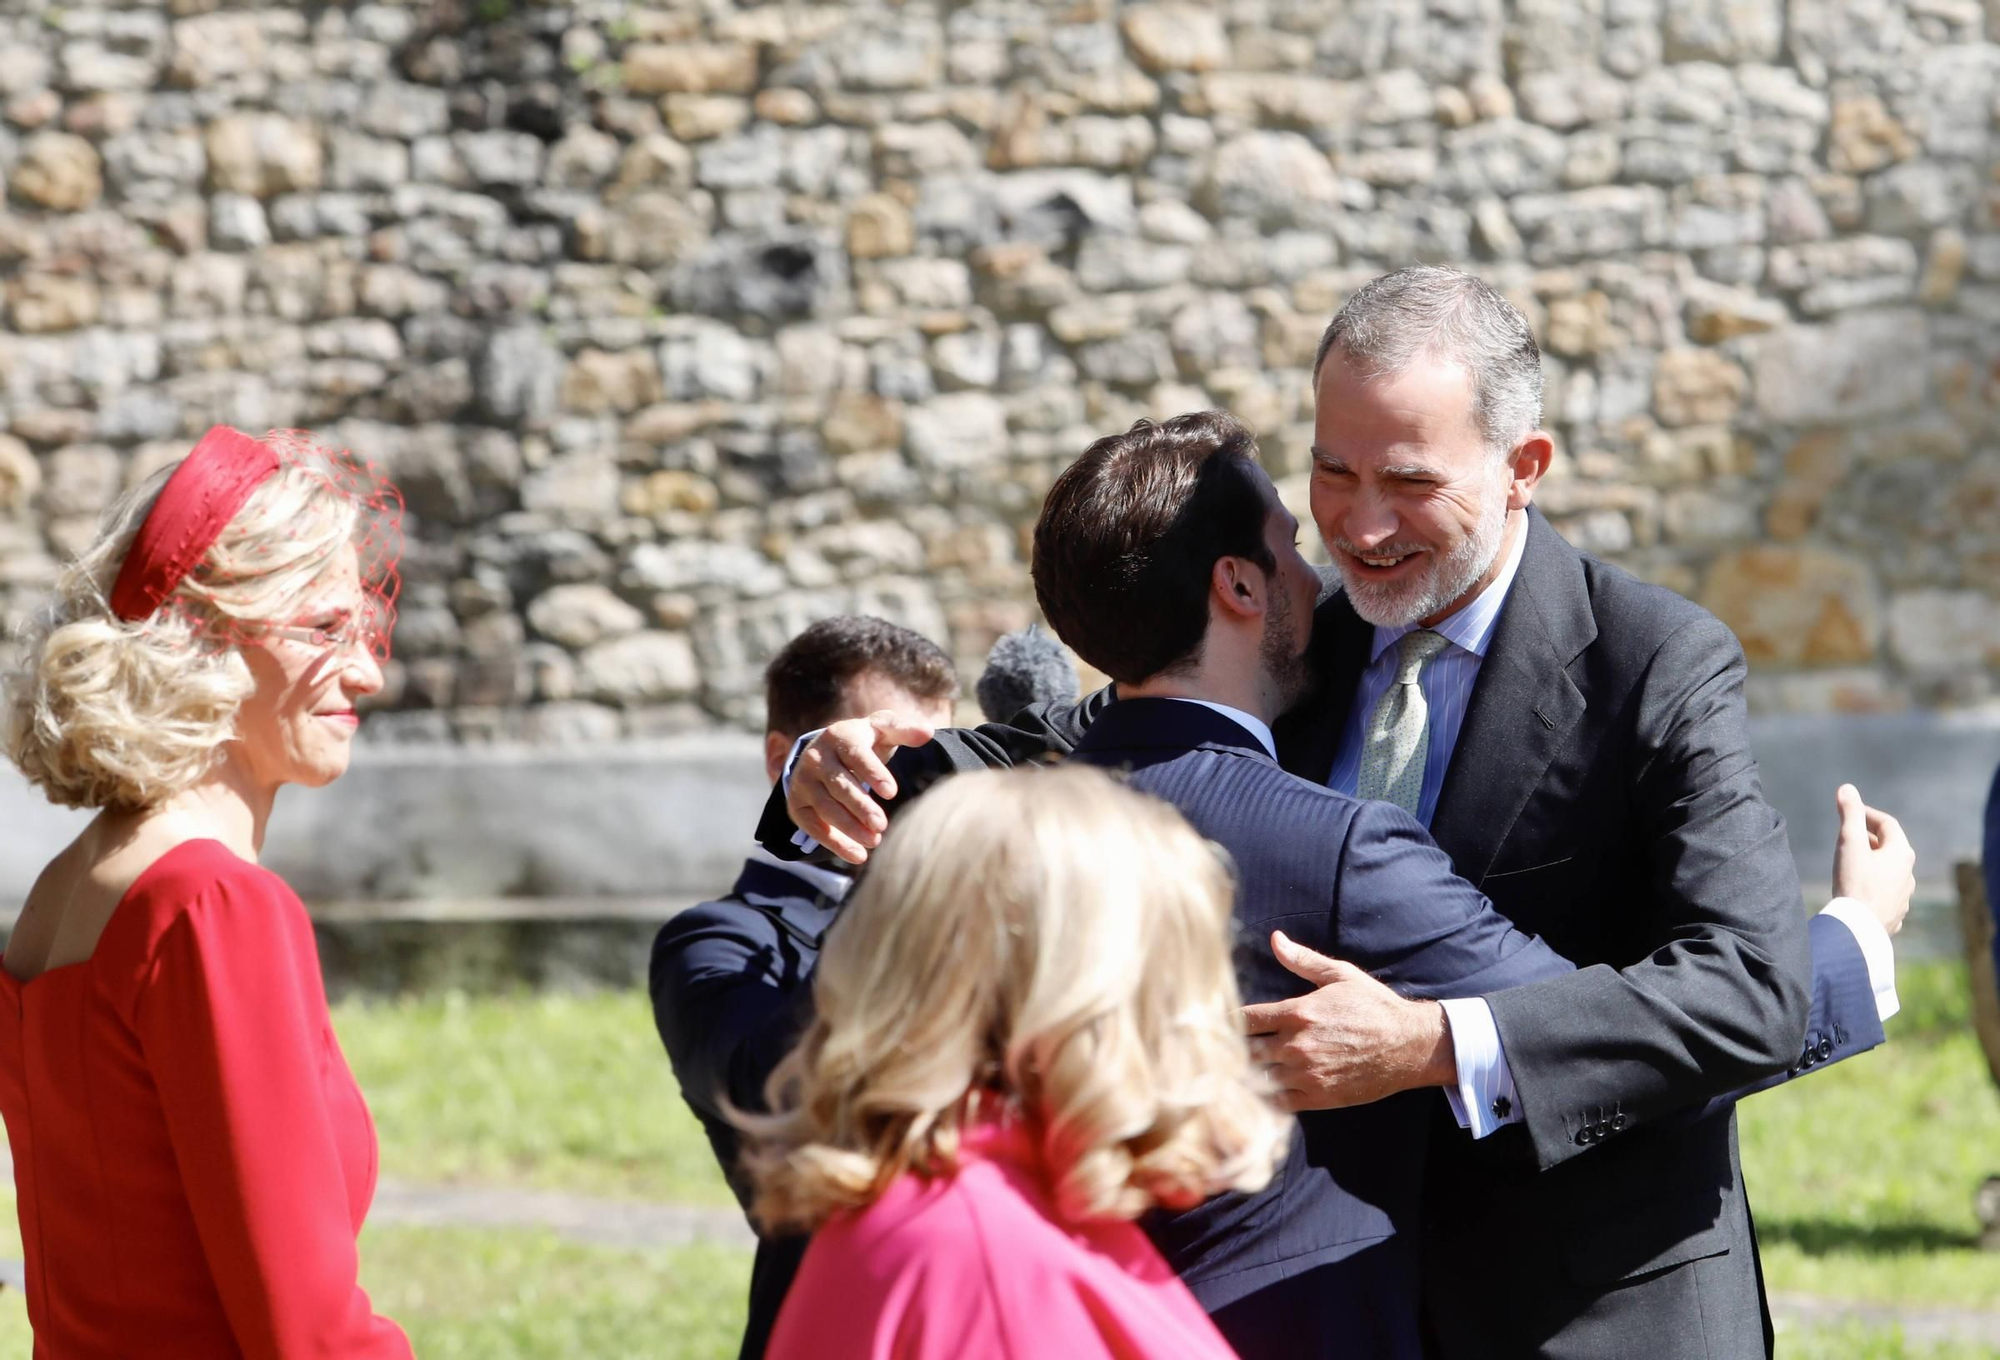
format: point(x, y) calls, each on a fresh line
point(1716, 313)
point(1729, 31)
point(690, 564)
point(1862, 365)
point(602, 380)
point(1796, 606)
point(58, 171)
point(1814, 466)
point(957, 430)
point(878, 226)
point(1697, 387)
point(518, 377)
point(263, 155)
point(580, 616)
point(1175, 37)
point(1588, 223)
point(1943, 631)
point(20, 474)
point(1277, 179)
point(1864, 136)
point(52, 302)
point(690, 68)
point(643, 667)
point(82, 480)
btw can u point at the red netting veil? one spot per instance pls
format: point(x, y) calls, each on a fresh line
point(210, 489)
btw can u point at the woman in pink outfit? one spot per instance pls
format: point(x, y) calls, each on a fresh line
point(1026, 1036)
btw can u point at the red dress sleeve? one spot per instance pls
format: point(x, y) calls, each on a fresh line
point(234, 1024)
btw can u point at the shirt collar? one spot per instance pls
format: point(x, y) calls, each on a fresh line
point(1471, 627)
point(1250, 723)
point(829, 883)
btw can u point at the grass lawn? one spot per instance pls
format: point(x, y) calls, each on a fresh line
point(550, 1091)
point(1861, 1176)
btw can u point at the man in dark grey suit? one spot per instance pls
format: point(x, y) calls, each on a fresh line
point(1576, 741)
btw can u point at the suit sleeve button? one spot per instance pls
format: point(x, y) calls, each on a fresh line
point(1617, 1122)
point(1825, 1049)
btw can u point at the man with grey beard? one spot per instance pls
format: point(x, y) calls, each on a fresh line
point(1575, 740)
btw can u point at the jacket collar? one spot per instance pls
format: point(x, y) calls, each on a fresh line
point(801, 909)
point(1170, 725)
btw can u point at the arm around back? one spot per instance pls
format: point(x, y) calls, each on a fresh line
point(1720, 998)
point(1403, 914)
point(1039, 733)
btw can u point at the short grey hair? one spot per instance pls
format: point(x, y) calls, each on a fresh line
point(1430, 312)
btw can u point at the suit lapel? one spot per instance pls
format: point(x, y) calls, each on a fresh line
point(1523, 705)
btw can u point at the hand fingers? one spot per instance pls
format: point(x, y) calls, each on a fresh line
point(1853, 814)
point(858, 761)
point(1307, 963)
point(1885, 832)
point(834, 827)
point(1270, 1017)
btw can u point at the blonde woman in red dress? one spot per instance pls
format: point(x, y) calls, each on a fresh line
point(1026, 1036)
point(191, 1154)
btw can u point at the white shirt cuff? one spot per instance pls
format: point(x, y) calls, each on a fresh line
point(1484, 1099)
point(799, 838)
point(1876, 950)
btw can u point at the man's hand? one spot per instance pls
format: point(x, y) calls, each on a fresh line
point(828, 793)
point(1872, 859)
point(1351, 1042)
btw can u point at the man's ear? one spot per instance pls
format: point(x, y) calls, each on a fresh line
point(1238, 586)
point(1526, 462)
point(777, 745)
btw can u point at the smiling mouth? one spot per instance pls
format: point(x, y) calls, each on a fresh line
point(346, 718)
point(1382, 563)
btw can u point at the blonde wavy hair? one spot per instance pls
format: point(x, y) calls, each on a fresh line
point(101, 713)
point(1043, 941)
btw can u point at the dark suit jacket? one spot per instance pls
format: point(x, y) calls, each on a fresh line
point(1603, 796)
point(1329, 1249)
point(731, 983)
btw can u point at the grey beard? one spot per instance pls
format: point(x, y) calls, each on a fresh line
point(1388, 606)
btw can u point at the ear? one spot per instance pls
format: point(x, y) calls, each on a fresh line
point(777, 745)
point(1238, 587)
point(1526, 463)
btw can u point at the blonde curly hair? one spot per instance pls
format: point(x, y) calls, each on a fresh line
point(1047, 941)
point(101, 713)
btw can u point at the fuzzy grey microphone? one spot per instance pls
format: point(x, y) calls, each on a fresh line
point(1025, 668)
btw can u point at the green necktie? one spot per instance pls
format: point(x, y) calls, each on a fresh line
point(1398, 737)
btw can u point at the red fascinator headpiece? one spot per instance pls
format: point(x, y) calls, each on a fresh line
point(210, 488)
point(193, 509)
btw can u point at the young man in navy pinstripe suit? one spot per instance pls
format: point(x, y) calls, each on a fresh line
point(1163, 556)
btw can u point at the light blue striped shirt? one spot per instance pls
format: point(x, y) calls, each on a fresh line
point(1446, 682)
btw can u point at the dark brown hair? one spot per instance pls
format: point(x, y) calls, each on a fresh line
point(805, 686)
point(1131, 531)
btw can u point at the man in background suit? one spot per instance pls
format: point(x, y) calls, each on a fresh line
point(1164, 557)
point(1576, 741)
point(731, 979)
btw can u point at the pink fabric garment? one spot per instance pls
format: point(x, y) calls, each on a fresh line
point(977, 1266)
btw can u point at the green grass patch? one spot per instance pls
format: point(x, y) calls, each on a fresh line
point(559, 1092)
point(1870, 1343)
point(1862, 1176)
point(465, 1295)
